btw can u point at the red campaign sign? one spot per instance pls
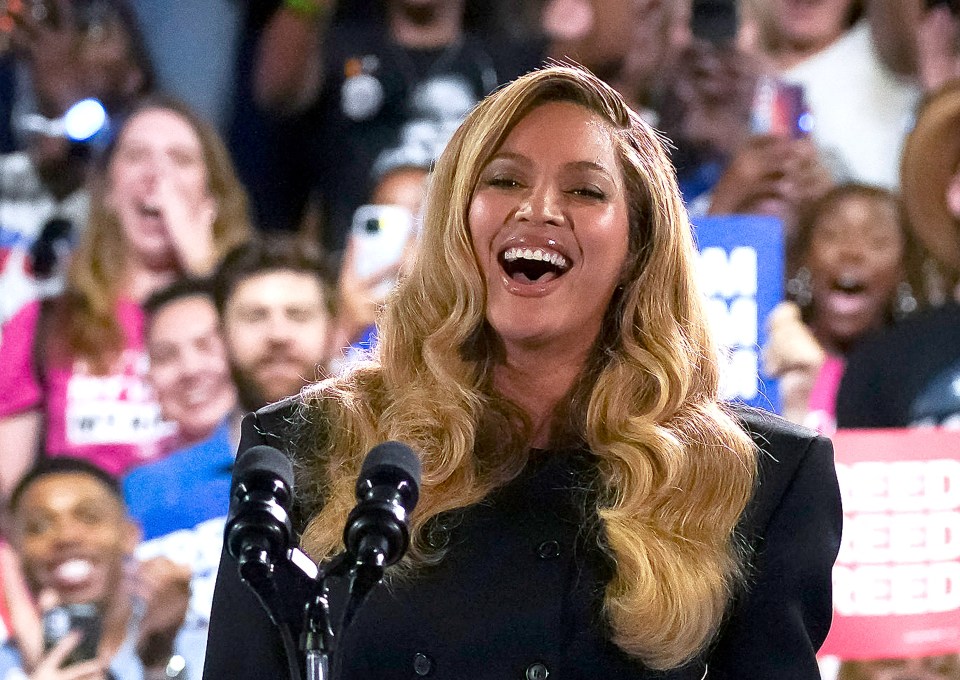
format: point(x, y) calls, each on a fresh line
point(896, 584)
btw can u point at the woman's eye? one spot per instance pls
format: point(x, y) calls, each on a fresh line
point(503, 182)
point(589, 192)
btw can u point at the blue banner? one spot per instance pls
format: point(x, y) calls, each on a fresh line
point(741, 270)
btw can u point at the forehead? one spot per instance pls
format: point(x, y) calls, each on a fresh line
point(562, 132)
point(159, 126)
point(63, 490)
point(277, 288)
point(857, 210)
point(182, 316)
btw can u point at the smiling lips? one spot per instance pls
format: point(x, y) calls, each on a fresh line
point(533, 265)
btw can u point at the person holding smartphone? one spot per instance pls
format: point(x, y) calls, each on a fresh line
point(102, 612)
point(381, 241)
point(856, 63)
point(742, 146)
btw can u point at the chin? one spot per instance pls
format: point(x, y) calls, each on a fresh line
point(277, 391)
point(198, 431)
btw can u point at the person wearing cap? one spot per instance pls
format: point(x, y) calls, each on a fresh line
point(907, 376)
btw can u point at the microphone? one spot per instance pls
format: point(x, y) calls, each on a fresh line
point(258, 530)
point(376, 533)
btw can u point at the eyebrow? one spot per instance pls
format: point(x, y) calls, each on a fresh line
point(578, 165)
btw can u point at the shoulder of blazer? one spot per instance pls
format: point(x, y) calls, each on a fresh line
point(783, 447)
point(277, 422)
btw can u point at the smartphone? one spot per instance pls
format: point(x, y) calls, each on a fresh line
point(780, 109)
point(59, 621)
point(714, 21)
point(380, 234)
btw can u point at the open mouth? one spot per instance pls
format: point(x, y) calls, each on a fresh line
point(73, 572)
point(848, 295)
point(533, 265)
point(851, 285)
point(149, 211)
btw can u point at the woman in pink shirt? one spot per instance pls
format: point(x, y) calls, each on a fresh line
point(167, 203)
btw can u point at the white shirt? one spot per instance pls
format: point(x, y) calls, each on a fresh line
point(862, 111)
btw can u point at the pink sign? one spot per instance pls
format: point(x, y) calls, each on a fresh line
point(897, 578)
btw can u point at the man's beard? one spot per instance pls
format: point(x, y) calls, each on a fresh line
point(252, 394)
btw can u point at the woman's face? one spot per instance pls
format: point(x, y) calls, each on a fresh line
point(549, 224)
point(157, 170)
point(855, 260)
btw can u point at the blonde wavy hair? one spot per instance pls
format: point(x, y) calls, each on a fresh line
point(87, 312)
point(675, 470)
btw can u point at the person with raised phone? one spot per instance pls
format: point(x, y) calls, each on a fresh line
point(101, 613)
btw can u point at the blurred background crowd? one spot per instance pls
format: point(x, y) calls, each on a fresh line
point(202, 205)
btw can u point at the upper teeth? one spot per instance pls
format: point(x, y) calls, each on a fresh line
point(555, 259)
point(74, 570)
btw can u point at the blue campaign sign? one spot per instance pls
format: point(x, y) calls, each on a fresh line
point(741, 274)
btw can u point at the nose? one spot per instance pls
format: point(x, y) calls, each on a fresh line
point(68, 532)
point(850, 250)
point(281, 330)
point(192, 363)
point(150, 171)
point(542, 204)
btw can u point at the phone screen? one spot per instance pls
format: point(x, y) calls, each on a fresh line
point(380, 233)
point(59, 621)
point(780, 109)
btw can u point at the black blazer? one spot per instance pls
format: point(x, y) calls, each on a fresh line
point(518, 593)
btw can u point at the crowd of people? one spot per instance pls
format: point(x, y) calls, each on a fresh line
point(163, 277)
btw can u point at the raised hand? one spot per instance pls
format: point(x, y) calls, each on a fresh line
point(49, 41)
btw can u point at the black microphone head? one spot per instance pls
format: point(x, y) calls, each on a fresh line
point(262, 462)
point(391, 463)
point(258, 531)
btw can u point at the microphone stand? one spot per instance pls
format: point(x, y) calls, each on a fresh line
point(363, 572)
point(282, 588)
point(290, 587)
point(317, 638)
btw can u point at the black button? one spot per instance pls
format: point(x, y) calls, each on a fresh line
point(537, 671)
point(548, 550)
point(422, 665)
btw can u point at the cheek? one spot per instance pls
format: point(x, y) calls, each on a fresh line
point(244, 343)
point(195, 181)
point(819, 258)
point(123, 177)
point(889, 268)
point(33, 550)
point(163, 380)
point(311, 339)
point(219, 367)
point(483, 219)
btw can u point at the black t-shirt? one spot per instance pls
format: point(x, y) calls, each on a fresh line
point(908, 376)
point(385, 105)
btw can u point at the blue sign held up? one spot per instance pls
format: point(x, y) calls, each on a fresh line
point(741, 270)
